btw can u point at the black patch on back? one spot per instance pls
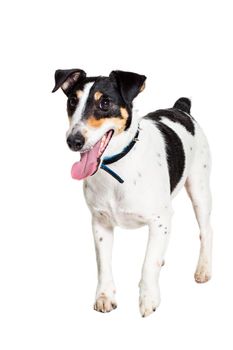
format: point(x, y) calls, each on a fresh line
point(176, 116)
point(175, 154)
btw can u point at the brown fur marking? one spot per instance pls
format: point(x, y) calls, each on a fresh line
point(142, 87)
point(124, 113)
point(79, 93)
point(95, 123)
point(97, 95)
point(118, 121)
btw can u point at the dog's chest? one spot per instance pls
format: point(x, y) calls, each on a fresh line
point(128, 205)
point(116, 203)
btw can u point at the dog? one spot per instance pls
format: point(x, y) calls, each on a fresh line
point(132, 167)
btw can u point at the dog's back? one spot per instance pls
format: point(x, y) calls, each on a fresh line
point(185, 142)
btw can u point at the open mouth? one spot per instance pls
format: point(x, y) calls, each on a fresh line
point(90, 160)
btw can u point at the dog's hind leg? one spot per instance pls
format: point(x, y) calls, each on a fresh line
point(197, 186)
point(105, 293)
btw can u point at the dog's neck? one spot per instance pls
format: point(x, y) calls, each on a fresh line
point(119, 142)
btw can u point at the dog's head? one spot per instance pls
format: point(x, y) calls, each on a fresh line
point(98, 108)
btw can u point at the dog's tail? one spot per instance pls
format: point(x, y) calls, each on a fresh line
point(184, 104)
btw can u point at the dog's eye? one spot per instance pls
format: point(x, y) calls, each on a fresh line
point(104, 104)
point(73, 101)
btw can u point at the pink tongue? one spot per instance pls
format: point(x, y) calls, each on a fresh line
point(87, 164)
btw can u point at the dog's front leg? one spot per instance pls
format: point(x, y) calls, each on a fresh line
point(105, 293)
point(159, 229)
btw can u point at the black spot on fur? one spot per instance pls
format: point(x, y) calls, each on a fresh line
point(175, 115)
point(184, 104)
point(175, 154)
point(100, 239)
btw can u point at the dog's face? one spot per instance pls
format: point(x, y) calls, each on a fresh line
point(98, 108)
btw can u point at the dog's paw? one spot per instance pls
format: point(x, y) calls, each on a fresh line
point(202, 275)
point(203, 272)
point(149, 300)
point(105, 303)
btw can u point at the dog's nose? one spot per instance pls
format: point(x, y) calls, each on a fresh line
point(76, 141)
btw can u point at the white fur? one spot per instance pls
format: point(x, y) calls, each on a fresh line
point(144, 199)
point(76, 122)
point(82, 103)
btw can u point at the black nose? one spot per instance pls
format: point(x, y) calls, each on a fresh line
point(76, 141)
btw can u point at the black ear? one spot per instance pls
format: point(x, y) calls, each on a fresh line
point(67, 78)
point(130, 84)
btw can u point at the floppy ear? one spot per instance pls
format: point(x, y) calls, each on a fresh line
point(67, 78)
point(130, 84)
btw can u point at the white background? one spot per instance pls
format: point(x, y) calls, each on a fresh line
point(47, 260)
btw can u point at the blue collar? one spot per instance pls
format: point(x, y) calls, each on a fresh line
point(116, 157)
